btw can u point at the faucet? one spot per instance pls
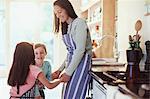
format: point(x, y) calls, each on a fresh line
point(115, 46)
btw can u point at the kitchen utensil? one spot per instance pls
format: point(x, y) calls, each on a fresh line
point(130, 38)
point(138, 26)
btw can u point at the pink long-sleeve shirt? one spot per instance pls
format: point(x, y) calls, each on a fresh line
point(30, 81)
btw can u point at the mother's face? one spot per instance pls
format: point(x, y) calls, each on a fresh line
point(61, 13)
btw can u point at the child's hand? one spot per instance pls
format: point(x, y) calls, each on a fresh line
point(56, 74)
point(40, 85)
point(64, 77)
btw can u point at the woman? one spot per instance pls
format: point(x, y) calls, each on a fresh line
point(78, 42)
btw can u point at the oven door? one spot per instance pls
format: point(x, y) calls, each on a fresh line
point(99, 91)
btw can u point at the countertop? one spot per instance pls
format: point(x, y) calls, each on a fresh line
point(135, 90)
point(140, 88)
point(107, 64)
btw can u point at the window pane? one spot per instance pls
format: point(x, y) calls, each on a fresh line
point(1, 5)
point(46, 28)
point(2, 34)
point(32, 22)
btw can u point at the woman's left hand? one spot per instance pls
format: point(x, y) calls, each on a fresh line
point(64, 77)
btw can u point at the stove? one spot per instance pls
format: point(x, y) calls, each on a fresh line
point(140, 88)
point(144, 77)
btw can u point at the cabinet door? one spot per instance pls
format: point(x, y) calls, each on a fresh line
point(99, 92)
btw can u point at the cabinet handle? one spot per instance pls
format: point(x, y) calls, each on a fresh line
point(101, 88)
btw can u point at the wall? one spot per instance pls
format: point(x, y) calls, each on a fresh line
point(129, 11)
point(76, 5)
point(4, 70)
point(59, 52)
point(146, 34)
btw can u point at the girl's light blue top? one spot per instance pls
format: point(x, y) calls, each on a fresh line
point(46, 68)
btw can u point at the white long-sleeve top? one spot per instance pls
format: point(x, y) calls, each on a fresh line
point(81, 37)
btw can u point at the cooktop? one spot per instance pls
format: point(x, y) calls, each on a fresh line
point(141, 87)
point(122, 76)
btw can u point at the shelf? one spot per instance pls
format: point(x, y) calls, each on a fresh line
point(90, 4)
point(94, 23)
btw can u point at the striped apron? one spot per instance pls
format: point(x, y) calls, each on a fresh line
point(77, 86)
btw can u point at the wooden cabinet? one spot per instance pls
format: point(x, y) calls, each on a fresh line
point(100, 16)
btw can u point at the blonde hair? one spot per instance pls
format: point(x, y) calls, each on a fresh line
point(40, 45)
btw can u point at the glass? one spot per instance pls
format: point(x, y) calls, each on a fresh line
point(32, 22)
point(2, 34)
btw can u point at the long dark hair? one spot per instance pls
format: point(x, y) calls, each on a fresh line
point(65, 4)
point(23, 57)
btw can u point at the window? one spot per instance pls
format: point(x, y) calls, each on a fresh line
point(2, 34)
point(31, 21)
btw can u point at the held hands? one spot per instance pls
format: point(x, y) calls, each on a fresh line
point(64, 77)
point(56, 74)
point(40, 85)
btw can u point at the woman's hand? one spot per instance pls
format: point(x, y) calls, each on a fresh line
point(64, 77)
point(55, 75)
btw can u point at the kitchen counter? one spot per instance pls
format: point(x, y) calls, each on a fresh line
point(135, 90)
point(140, 88)
point(110, 67)
point(107, 64)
